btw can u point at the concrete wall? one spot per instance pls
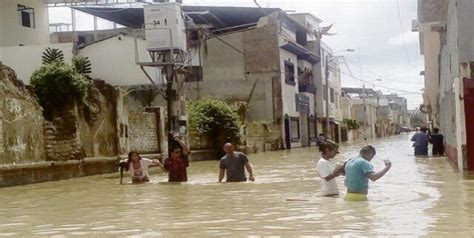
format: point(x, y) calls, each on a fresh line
point(431, 50)
point(26, 59)
point(12, 33)
point(113, 60)
point(432, 10)
point(465, 16)
point(21, 121)
point(245, 76)
point(334, 83)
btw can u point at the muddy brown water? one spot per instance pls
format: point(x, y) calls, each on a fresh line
point(418, 197)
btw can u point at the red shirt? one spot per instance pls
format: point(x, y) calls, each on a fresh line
point(176, 170)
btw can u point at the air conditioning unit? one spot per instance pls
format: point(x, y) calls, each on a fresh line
point(164, 27)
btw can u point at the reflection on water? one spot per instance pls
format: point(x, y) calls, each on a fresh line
point(416, 197)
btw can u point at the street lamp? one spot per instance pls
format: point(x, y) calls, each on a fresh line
point(327, 86)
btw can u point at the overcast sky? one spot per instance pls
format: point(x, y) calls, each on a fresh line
point(386, 51)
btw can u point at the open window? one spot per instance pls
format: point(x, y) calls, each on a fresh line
point(290, 73)
point(26, 16)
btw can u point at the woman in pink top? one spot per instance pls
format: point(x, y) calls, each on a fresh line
point(138, 167)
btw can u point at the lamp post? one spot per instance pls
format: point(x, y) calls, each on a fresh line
point(327, 91)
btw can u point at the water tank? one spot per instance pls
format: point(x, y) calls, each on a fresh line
point(164, 27)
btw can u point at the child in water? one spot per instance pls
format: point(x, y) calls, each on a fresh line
point(326, 171)
point(138, 167)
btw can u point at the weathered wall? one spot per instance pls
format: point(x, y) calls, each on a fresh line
point(465, 30)
point(63, 140)
point(432, 10)
point(97, 123)
point(242, 74)
point(143, 135)
point(21, 131)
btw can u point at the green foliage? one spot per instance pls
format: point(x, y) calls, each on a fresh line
point(51, 55)
point(214, 118)
point(352, 124)
point(56, 84)
point(82, 65)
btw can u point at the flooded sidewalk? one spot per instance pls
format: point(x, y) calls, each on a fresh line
point(417, 197)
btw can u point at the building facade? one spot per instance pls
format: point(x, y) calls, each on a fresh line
point(446, 43)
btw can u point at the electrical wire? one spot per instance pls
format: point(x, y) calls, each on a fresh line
point(402, 32)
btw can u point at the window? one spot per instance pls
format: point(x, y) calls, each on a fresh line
point(325, 92)
point(290, 73)
point(26, 16)
point(332, 95)
point(295, 128)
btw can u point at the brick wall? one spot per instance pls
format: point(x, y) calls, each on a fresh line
point(142, 129)
point(62, 139)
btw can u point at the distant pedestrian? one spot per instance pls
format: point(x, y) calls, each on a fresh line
point(437, 139)
point(321, 138)
point(329, 149)
point(358, 171)
point(177, 163)
point(232, 165)
point(420, 140)
point(138, 167)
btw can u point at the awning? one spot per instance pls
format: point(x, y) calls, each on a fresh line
point(301, 52)
point(219, 17)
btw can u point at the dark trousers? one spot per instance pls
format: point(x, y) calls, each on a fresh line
point(421, 150)
point(438, 150)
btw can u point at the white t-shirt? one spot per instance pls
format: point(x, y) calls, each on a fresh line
point(143, 170)
point(324, 169)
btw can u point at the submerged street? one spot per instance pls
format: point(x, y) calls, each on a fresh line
point(418, 196)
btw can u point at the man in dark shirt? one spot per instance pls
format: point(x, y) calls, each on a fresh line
point(437, 140)
point(232, 165)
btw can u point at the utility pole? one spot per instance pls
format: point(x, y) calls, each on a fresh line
point(327, 96)
point(365, 112)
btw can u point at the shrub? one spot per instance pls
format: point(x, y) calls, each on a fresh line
point(216, 119)
point(56, 84)
point(352, 124)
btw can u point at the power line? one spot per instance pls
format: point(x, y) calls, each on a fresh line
point(389, 88)
point(402, 32)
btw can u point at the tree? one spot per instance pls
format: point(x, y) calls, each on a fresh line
point(56, 83)
point(51, 55)
point(216, 119)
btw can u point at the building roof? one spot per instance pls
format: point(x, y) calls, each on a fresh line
point(219, 17)
point(360, 91)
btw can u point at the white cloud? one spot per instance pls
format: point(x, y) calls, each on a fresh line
point(407, 38)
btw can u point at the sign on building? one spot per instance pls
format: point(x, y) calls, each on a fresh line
point(302, 103)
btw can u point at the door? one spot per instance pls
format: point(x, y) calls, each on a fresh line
point(287, 133)
point(469, 113)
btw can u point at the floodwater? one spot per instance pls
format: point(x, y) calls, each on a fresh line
point(418, 197)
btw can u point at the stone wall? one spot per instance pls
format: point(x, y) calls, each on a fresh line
point(21, 131)
point(143, 136)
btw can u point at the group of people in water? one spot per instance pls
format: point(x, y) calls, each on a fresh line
point(423, 137)
point(232, 165)
point(357, 171)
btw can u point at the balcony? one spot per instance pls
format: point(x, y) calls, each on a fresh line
point(307, 88)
